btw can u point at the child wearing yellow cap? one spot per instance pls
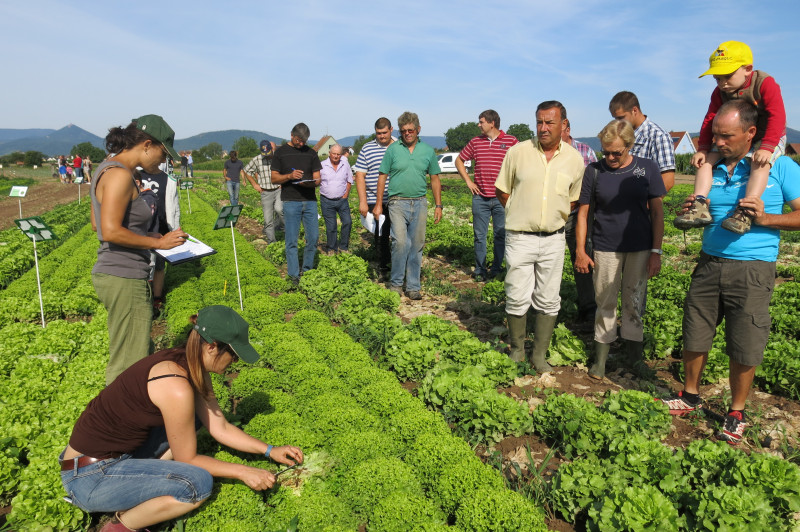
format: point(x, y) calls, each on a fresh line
point(731, 64)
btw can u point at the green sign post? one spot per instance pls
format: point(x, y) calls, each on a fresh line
point(187, 186)
point(38, 231)
point(228, 216)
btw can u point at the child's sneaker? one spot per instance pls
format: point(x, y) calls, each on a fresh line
point(733, 427)
point(679, 404)
point(696, 216)
point(738, 222)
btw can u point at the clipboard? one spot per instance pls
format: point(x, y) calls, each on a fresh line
point(190, 250)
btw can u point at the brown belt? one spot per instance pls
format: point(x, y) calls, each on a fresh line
point(83, 461)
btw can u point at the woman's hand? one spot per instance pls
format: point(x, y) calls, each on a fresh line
point(653, 265)
point(287, 454)
point(172, 239)
point(583, 262)
point(257, 479)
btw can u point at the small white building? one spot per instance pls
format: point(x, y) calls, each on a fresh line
point(324, 145)
point(682, 142)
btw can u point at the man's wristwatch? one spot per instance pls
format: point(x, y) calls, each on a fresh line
point(657, 251)
point(440, 207)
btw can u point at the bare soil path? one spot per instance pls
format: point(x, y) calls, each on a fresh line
point(41, 197)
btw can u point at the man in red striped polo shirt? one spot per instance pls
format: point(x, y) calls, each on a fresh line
point(487, 150)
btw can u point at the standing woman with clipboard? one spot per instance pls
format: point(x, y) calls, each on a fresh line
point(121, 217)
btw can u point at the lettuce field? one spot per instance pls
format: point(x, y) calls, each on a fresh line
point(411, 416)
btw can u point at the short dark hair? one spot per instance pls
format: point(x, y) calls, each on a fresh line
point(748, 113)
point(301, 131)
point(553, 104)
point(567, 123)
point(233, 153)
point(625, 99)
point(490, 115)
point(382, 123)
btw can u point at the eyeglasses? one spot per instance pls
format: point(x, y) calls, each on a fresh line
point(404, 131)
point(614, 153)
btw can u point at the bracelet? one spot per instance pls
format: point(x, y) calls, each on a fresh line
point(657, 251)
point(269, 449)
point(440, 207)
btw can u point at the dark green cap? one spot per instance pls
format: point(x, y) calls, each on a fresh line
point(223, 324)
point(157, 127)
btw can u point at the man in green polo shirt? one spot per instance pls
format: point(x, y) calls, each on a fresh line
point(407, 162)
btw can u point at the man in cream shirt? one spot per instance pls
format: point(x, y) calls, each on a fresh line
point(538, 181)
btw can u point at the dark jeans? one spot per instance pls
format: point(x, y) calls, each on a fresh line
point(295, 213)
point(330, 207)
point(484, 209)
point(583, 281)
point(383, 242)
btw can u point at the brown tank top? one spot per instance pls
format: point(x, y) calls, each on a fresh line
point(119, 419)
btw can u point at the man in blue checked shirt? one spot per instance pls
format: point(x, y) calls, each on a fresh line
point(651, 141)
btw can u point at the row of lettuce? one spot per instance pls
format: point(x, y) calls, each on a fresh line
point(369, 442)
point(16, 250)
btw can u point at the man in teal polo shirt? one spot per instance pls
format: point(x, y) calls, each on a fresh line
point(407, 162)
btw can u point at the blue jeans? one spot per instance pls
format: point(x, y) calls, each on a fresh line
point(482, 210)
point(295, 213)
point(330, 207)
point(118, 484)
point(233, 191)
point(409, 216)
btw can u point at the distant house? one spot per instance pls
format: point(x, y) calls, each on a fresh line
point(324, 145)
point(793, 148)
point(682, 142)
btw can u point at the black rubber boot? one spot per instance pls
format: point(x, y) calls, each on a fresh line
point(635, 356)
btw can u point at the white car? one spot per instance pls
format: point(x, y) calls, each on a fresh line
point(447, 162)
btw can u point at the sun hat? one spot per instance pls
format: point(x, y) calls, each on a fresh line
point(728, 57)
point(157, 127)
point(223, 324)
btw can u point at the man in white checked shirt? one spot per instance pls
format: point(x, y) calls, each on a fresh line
point(271, 203)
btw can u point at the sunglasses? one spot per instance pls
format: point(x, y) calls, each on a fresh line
point(227, 348)
point(614, 153)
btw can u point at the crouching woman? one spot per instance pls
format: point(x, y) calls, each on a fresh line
point(112, 461)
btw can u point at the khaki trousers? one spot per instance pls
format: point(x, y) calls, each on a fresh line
point(614, 271)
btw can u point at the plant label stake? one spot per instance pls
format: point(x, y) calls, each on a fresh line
point(228, 216)
point(79, 181)
point(18, 192)
point(35, 229)
point(188, 185)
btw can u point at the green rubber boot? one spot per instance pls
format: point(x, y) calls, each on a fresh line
point(543, 332)
point(635, 362)
point(517, 331)
point(598, 369)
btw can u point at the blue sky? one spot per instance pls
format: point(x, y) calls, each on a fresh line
point(338, 66)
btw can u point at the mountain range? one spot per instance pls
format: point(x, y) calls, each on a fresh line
point(54, 142)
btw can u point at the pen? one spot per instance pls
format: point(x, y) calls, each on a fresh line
point(190, 239)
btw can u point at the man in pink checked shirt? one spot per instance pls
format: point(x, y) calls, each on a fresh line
point(337, 178)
